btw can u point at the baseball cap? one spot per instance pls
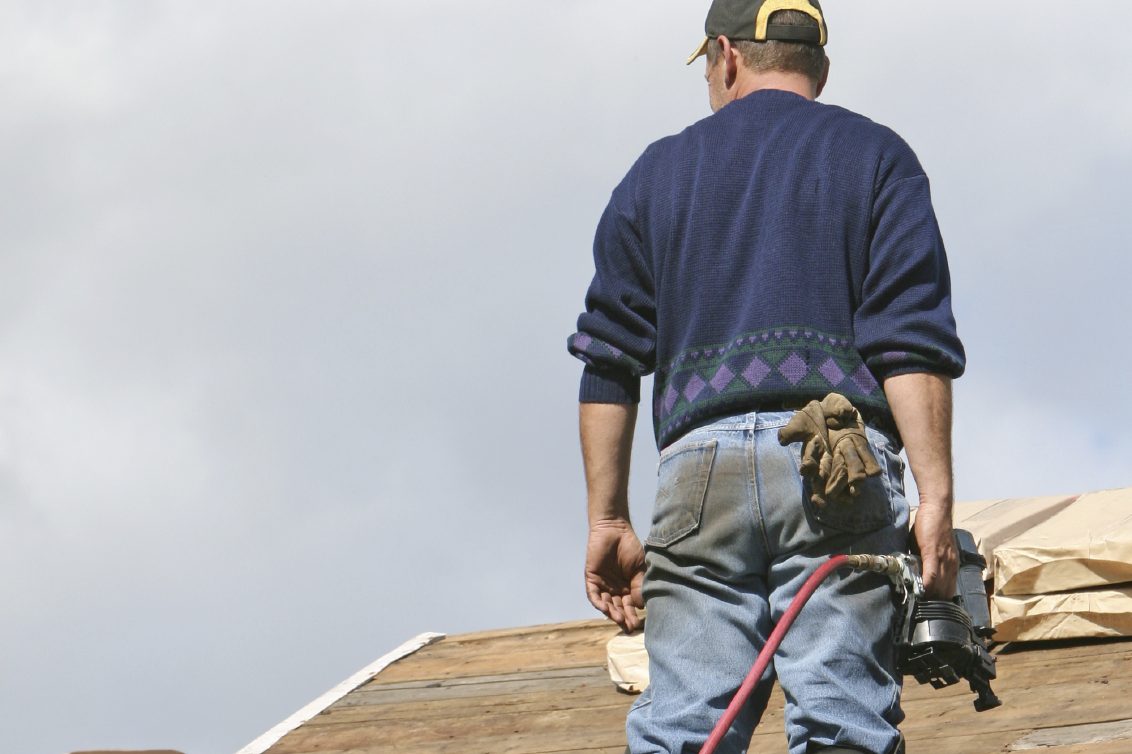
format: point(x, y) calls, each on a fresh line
point(750, 20)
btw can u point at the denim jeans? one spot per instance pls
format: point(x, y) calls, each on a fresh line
point(734, 536)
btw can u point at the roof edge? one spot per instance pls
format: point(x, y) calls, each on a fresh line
point(271, 737)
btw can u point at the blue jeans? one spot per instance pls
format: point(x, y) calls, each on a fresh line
point(734, 535)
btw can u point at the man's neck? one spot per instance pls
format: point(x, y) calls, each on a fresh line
point(749, 82)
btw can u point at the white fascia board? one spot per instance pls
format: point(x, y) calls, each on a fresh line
point(271, 737)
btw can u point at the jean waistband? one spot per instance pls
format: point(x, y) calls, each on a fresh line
point(748, 420)
point(872, 417)
point(779, 412)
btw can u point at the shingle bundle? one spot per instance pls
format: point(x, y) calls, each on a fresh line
point(1061, 567)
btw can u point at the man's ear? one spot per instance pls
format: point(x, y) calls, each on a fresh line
point(730, 62)
point(824, 76)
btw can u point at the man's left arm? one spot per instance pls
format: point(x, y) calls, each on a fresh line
point(905, 331)
point(615, 560)
point(921, 406)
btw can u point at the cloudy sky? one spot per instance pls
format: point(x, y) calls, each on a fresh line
point(285, 288)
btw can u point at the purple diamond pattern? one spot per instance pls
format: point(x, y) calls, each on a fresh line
point(788, 358)
point(793, 368)
point(582, 341)
point(832, 372)
point(865, 380)
point(756, 372)
point(694, 387)
point(722, 379)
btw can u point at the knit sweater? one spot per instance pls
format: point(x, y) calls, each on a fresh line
point(775, 251)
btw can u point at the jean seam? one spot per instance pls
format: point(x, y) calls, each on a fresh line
point(755, 506)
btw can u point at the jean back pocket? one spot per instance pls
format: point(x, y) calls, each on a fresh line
point(682, 481)
point(872, 508)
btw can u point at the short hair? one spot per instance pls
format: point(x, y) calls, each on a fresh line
point(775, 55)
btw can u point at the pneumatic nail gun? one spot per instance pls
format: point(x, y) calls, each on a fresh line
point(942, 641)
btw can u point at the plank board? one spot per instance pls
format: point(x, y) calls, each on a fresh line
point(1076, 735)
point(545, 690)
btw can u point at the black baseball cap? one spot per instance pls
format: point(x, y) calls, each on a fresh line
point(750, 20)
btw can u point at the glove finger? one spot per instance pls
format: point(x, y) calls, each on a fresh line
point(854, 469)
point(826, 468)
point(796, 430)
point(815, 419)
point(811, 458)
point(804, 425)
point(872, 468)
point(839, 412)
point(838, 478)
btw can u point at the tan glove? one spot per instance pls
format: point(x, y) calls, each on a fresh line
point(836, 456)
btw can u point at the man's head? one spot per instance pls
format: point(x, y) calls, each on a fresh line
point(778, 42)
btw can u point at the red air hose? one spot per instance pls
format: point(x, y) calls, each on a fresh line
point(757, 670)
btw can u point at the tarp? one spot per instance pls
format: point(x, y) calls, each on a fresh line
point(628, 662)
point(1072, 615)
point(1088, 544)
point(994, 522)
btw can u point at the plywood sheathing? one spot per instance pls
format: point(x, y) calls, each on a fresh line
point(545, 689)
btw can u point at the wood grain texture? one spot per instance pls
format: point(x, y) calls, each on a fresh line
point(1076, 735)
point(545, 690)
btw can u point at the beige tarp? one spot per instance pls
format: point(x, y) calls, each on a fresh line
point(628, 662)
point(993, 522)
point(1088, 544)
point(1062, 568)
point(1072, 615)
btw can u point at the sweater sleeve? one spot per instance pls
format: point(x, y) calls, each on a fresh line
point(616, 337)
point(904, 322)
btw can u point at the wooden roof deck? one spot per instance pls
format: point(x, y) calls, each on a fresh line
point(545, 689)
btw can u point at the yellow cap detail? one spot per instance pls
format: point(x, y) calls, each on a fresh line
point(701, 50)
point(773, 6)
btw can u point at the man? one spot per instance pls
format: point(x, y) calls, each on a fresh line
point(774, 252)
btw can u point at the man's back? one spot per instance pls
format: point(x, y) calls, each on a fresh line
point(751, 235)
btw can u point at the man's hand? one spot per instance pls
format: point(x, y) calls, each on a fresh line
point(939, 560)
point(615, 570)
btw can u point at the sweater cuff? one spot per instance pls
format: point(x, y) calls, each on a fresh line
point(893, 363)
point(608, 386)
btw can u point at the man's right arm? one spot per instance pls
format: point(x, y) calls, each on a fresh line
point(615, 561)
point(616, 339)
point(921, 405)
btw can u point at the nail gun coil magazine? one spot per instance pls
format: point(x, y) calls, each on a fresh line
point(942, 642)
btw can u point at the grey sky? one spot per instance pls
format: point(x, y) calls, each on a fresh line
point(285, 288)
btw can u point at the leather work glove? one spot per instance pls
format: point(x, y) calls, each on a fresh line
point(836, 456)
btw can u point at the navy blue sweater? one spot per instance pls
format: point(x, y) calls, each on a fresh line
point(773, 252)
